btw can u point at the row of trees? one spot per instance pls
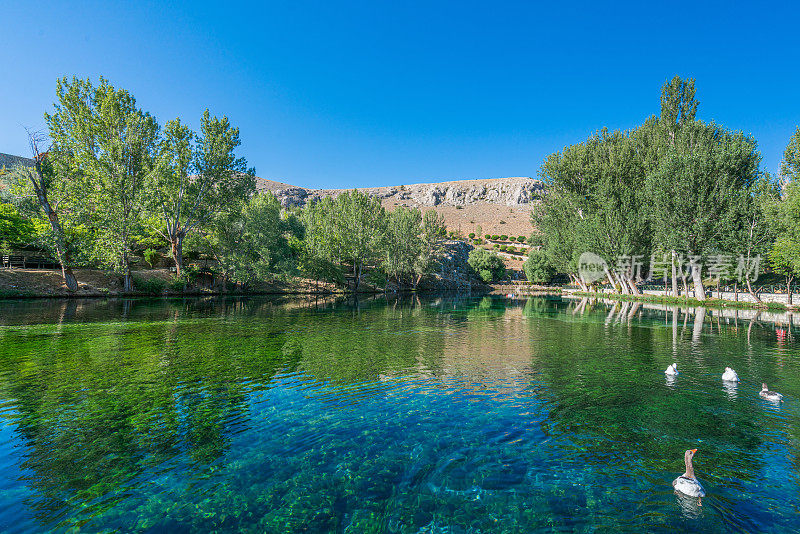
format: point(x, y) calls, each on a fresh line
point(112, 178)
point(675, 189)
point(113, 183)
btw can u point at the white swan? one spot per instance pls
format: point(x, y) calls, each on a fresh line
point(772, 396)
point(730, 375)
point(672, 370)
point(687, 483)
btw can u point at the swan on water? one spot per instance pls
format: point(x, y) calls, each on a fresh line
point(687, 483)
point(672, 369)
point(730, 375)
point(772, 396)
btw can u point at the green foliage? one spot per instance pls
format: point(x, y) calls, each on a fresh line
point(488, 236)
point(176, 284)
point(537, 269)
point(107, 145)
point(495, 237)
point(151, 285)
point(253, 244)
point(536, 240)
point(790, 165)
point(784, 255)
point(487, 264)
point(353, 231)
point(151, 256)
point(472, 235)
point(197, 178)
point(15, 230)
point(674, 183)
point(503, 237)
point(521, 239)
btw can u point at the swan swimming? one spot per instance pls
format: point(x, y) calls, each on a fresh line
point(672, 370)
point(687, 483)
point(730, 375)
point(772, 396)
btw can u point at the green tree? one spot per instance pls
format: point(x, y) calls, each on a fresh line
point(433, 231)
point(15, 230)
point(403, 243)
point(784, 215)
point(43, 191)
point(678, 106)
point(696, 191)
point(197, 179)
point(107, 146)
point(790, 165)
point(253, 244)
point(536, 268)
point(360, 230)
point(488, 265)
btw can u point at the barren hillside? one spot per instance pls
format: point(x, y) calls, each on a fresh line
point(490, 206)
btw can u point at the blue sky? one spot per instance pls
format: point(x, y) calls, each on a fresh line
point(382, 93)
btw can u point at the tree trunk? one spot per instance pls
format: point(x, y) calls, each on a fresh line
point(697, 279)
point(632, 285)
point(685, 285)
point(128, 280)
point(736, 291)
point(176, 249)
point(617, 282)
point(674, 277)
point(69, 278)
point(789, 290)
point(581, 284)
point(61, 248)
point(750, 290)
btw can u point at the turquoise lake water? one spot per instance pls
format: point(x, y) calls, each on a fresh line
point(449, 415)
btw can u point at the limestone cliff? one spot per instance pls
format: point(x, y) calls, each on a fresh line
point(520, 191)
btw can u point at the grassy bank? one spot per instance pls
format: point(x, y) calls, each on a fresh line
point(34, 283)
point(710, 302)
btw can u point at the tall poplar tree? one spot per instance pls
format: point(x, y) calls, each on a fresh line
point(197, 179)
point(107, 146)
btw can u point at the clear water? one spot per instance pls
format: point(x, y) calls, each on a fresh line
point(442, 415)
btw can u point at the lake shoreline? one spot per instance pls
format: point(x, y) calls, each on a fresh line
point(710, 302)
point(99, 284)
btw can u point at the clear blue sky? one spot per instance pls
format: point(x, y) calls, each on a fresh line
point(348, 94)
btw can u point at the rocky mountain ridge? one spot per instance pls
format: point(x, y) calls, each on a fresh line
point(512, 192)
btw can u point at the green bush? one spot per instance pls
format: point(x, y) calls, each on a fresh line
point(503, 247)
point(482, 260)
point(512, 238)
point(149, 285)
point(495, 237)
point(536, 267)
point(511, 249)
point(496, 245)
point(176, 284)
point(536, 240)
point(472, 235)
point(488, 236)
point(503, 237)
point(521, 239)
